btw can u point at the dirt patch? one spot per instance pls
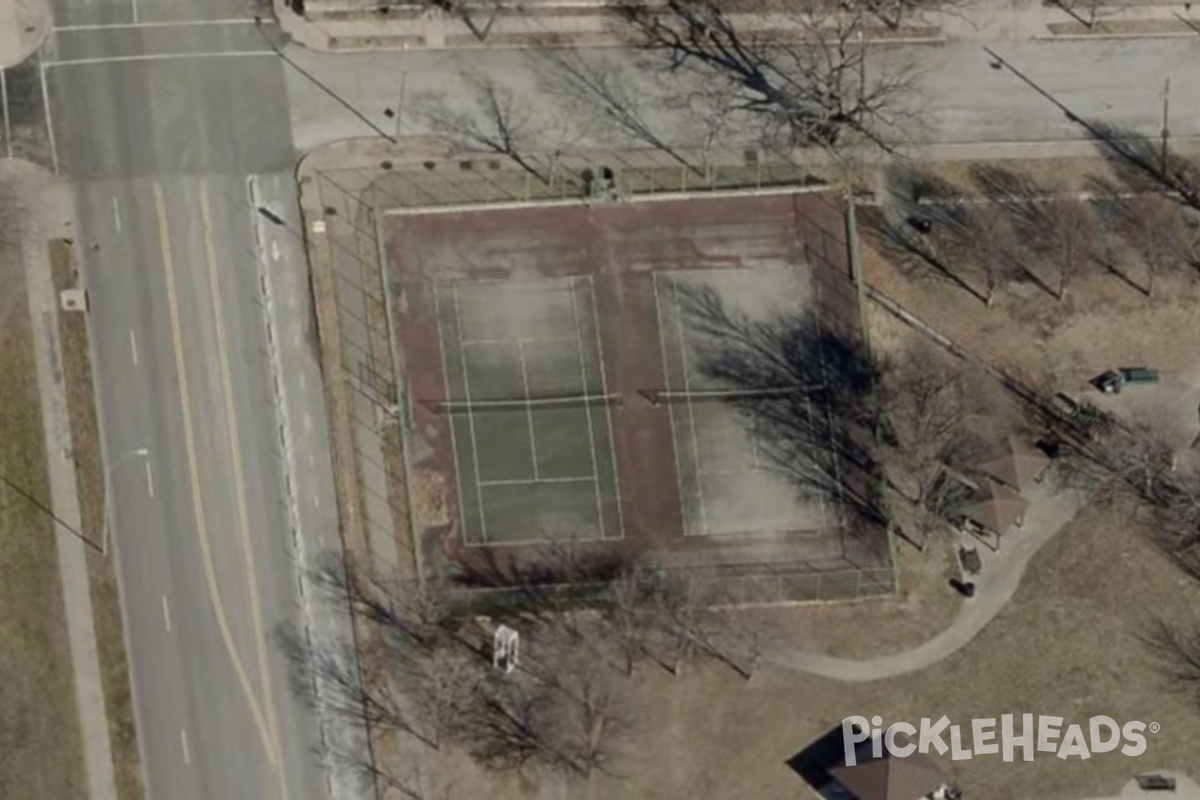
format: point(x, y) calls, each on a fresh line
point(429, 497)
point(39, 727)
point(102, 578)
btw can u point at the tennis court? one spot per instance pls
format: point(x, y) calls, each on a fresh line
point(553, 395)
point(728, 481)
point(529, 410)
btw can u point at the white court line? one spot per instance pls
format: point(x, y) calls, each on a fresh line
point(116, 213)
point(133, 350)
point(528, 408)
point(588, 409)
point(612, 444)
point(470, 419)
point(149, 478)
point(533, 481)
point(662, 344)
point(166, 613)
point(183, 740)
point(83, 62)
point(168, 24)
point(49, 121)
point(687, 387)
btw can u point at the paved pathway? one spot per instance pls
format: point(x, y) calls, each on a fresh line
point(330, 26)
point(1048, 513)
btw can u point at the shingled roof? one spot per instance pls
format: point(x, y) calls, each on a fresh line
point(890, 777)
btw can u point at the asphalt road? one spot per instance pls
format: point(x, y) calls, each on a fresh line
point(162, 128)
point(958, 97)
point(162, 150)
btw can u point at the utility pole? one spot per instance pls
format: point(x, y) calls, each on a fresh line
point(315, 82)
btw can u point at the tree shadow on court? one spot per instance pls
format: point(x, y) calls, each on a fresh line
point(806, 394)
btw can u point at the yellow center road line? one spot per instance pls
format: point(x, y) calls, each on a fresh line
point(210, 574)
point(239, 482)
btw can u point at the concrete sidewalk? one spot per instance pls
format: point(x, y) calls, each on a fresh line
point(355, 27)
point(23, 26)
point(51, 212)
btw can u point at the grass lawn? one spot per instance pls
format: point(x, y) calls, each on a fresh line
point(1066, 646)
point(39, 726)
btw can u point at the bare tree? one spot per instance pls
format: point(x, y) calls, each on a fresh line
point(808, 81)
point(565, 707)
point(894, 13)
point(1155, 229)
point(1176, 647)
point(1085, 12)
point(994, 247)
point(1067, 237)
point(1145, 165)
point(498, 122)
point(604, 87)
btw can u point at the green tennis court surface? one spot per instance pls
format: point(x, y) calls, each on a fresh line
point(530, 416)
point(728, 484)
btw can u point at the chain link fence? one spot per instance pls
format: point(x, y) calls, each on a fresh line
point(354, 201)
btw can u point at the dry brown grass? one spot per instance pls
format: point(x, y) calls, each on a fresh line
point(1067, 645)
point(36, 684)
point(102, 578)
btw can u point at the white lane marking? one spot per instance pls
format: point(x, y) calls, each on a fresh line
point(133, 351)
point(117, 213)
point(49, 121)
point(316, 501)
point(165, 24)
point(83, 62)
point(274, 250)
point(166, 613)
point(133, 3)
point(187, 756)
point(149, 478)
